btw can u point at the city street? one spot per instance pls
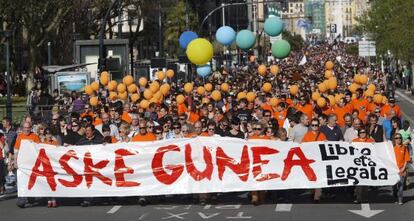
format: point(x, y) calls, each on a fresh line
point(233, 206)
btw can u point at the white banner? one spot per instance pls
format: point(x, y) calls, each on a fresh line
point(199, 165)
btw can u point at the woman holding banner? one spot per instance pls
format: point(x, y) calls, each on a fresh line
point(402, 157)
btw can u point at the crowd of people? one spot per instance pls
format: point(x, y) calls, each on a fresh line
point(243, 109)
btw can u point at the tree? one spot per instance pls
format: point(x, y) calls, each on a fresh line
point(389, 24)
point(295, 40)
point(176, 23)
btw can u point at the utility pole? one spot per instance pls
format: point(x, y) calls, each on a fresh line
point(7, 35)
point(223, 14)
point(160, 46)
point(49, 53)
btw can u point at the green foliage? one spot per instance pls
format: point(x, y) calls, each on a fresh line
point(389, 23)
point(296, 41)
point(352, 49)
point(176, 23)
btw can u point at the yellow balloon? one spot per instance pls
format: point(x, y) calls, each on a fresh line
point(121, 88)
point(294, 90)
point(161, 75)
point(274, 101)
point(112, 85)
point(123, 95)
point(154, 86)
point(148, 94)
point(216, 95)
point(134, 97)
point(267, 87)
point(188, 87)
point(208, 87)
point(274, 69)
point(128, 80)
point(165, 88)
point(180, 99)
point(225, 87)
point(144, 104)
point(113, 95)
point(201, 90)
point(241, 95)
point(88, 90)
point(199, 51)
point(262, 69)
point(315, 96)
point(170, 73)
point(95, 85)
point(250, 96)
point(93, 101)
point(142, 82)
point(132, 88)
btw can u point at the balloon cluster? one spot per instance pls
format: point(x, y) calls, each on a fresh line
point(142, 90)
point(200, 51)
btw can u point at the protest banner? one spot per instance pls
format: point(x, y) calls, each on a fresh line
point(199, 165)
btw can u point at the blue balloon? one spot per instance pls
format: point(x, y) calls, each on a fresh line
point(186, 37)
point(204, 70)
point(273, 26)
point(245, 39)
point(225, 35)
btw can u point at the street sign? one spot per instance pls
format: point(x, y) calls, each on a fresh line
point(332, 28)
point(366, 48)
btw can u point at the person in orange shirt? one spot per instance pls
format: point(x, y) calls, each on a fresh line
point(125, 114)
point(280, 113)
point(386, 109)
point(360, 192)
point(305, 107)
point(26, 134)
point(258, 196)
point(143, 135)
point(340, 110)
point(314, 134)
point(49, 138)
point(402, 158)
point(360, 104)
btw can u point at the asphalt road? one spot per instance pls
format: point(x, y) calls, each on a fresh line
point(293, 205)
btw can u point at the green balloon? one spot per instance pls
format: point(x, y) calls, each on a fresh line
point(280, 49)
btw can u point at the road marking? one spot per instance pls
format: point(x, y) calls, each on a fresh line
point(283, 207)
point(239, 216)
point(204, 216)
point(178, 216)
point(114, 209)
point(404, 96)
point(142, 216)
point(366, 211)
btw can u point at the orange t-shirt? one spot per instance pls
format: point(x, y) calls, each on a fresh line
point(402, 155)
point(113, 139)
point(33, 137)
point(146, 137)
point(181, 109)
point(307, 109)
point(97, 121)
point(204, 134)
point(52, 142)
point(267, 107)
point(361, 105)
point(261, 137)
point(371, 107)
point(193, 117)
point(340, 113)
point(311, 136)
point(125, 117)
point(89, 113)
point(386, 109)
point(366, 140)
point(280, 116)
point(349, 107)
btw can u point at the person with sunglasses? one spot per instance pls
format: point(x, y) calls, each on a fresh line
point(315, 135)
point(258, 197)
point(158, 133)
point(143, 134)
point(402, 158)
point(235, 129)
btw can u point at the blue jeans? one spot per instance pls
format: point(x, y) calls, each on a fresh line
point(398, 189)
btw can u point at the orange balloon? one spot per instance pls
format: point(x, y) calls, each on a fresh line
point(353, 87)
point(121, 88)
point(357, 78)
point(105, 74)
point(142, 82)
point(112, 85)
point(201, 90)
point(371, 87)
point(170, 73)
point(328, 74)
point(180, 99)
point(338, 97)
point(293, 90)
point(134, 97)
point(165, 89)
point(384, 100)
point(161, 75)
point(154, 86)
point(148, 94)
point(329, 65)
point(363, 79)
point(88, 90)
point(93, 101)
point(321, 102)
point(267, 87)
point(113, 95)
point(274, 69)
point(216, 95)
point(369, 93)
point(128, 80)
point(208, 87)
point(250, 96)
point(104, 79)
point(332, 83)
point(262, 69)
point(274, 101)
point(123, 95)
point(224, 87)
point(95, 86)
point(378, 98)
point(322, 87)
point(188, 87)
point(157, 96)
point(315, 96)
point(241, 95)
point(144, 104)
point(132, 88)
